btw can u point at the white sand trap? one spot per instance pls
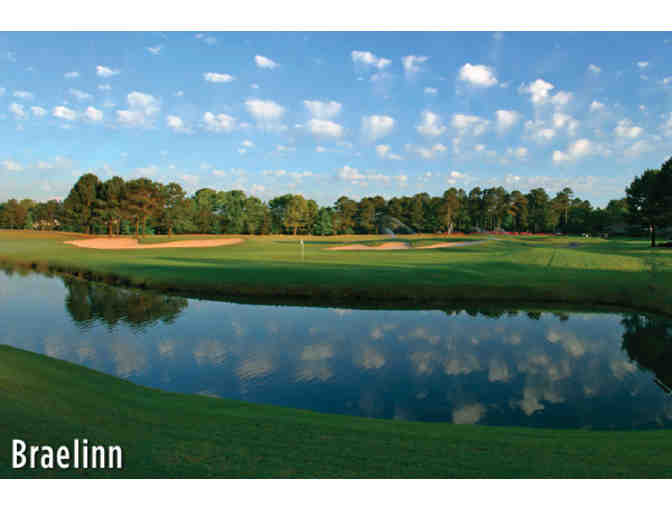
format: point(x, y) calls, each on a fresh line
point(124, 243)
point(445, 245)
point(384, 246)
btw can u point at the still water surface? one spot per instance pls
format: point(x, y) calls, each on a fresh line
point(488, 366)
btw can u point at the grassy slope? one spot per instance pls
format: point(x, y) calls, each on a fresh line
point(47, 401)
point(613, 272)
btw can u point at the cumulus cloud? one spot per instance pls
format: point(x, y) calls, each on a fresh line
point(24, 95)
point(17, 110)
point(596, 106)
point(477, 75)
point(93, 114)
point(217, 77)
point(38, 111)
point(155, 50)
point(176, 124)
point(207, 39)
point(80, 95)
point(576, 150)
point(106, 72)
point(431, 91)
point(322, 109)
point(626, 129)
point(430, 125)
point(71, 75)
point(518, 152)
point(366, 58)
point(63, 112)
point(220, 123)
point(469, 414)
point(506, 119)
point(321, 127)
point(413, 63)
point(540, 93)
point(264, 62)
point(142, 109)
point(561, 120)
point(377, 126)
point(427, 152)
point(539, 131)
point(268, 114)
point(354, 176)
point(469, 124)
point(385, 152)
point(594, 69)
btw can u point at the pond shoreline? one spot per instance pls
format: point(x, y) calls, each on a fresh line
point(404, 298)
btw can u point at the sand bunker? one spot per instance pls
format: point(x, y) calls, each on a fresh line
point(399, 246)
point(123, 243)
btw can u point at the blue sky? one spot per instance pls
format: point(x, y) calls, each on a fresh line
point(332, 113)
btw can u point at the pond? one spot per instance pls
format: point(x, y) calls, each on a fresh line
point(485, 365)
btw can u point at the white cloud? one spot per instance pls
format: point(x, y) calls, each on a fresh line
point(638, 148)
point(431, 91)
point(80, 95)
point(427, 152)
point(106, 72)
point(93, 114)
point(220, 123)
point(155, 50)
point(430, 125)
point(506, 119)
point(18, 110)
point(539, 90)
point(38, 111)
point(469, 124)
point(2, 91)
point(385, 152)
point(247, 143)
point(561, 98)
point(477, 75)
point(518, 152)
point(412, 63)
point(321, 127)
point(71, 75)
point(175, 123)
point(264, 62)
point(63, 112)
point(596, 106)
point(12, 165)
point(207, 39)
point(323, 110)
point(141, 112)
point(24, 94)
point(625, 129)
point(594, 69)
point(561, 120)
point(377, 126)
point(217, 77)
point(319, 148)
point(369, 59)
point(267, 113)
point(642, 64)
point(576, 150)
point(104, 87)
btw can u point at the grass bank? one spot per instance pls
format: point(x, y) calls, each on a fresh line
point(48, 401)
point(619, 272)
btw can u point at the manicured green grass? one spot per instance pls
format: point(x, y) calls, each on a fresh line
point(48, 401)
point(618, 272)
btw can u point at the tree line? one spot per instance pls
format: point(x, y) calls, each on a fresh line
point(141, 206)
